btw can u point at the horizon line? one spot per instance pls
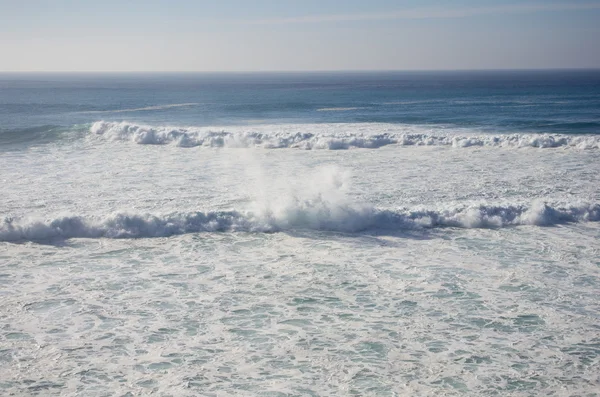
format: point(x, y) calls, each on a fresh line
point(593, 68)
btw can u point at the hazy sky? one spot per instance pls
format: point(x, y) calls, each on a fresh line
point(251, 35)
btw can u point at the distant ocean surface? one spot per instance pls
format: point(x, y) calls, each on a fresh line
point(300, 234)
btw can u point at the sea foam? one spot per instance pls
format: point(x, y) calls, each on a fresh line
point(299, 215)
point(330, 136)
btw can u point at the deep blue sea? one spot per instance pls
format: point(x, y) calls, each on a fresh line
point(300, 234)
point(564, 102)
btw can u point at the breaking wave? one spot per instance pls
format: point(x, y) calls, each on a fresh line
point(330, 136)
point(306, 215)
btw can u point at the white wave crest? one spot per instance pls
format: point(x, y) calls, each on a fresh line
point(347, 109)
point(330, 136)
point(314, 214)
point(147, 108)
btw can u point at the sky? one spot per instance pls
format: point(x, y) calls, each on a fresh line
point(297, 35)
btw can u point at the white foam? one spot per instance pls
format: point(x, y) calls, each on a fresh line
point(146, 108)
point(319, 213)
point(346, 109)
point(331, 136)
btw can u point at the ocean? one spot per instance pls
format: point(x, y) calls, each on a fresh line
point(300, 234)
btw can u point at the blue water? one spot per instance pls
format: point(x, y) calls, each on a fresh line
point(492, 101)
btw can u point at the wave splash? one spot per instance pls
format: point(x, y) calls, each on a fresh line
point(329, 136)
point(302, 215)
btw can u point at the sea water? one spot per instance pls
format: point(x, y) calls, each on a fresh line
point(317, 234)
